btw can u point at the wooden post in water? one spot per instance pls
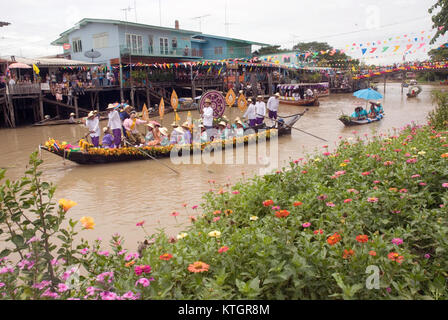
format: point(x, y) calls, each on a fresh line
point(385, 77)
point(76, 107)
point(98, 101)
point(148, 100)
point(41, 107)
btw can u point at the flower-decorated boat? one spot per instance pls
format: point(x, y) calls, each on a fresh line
point(348, 121)
point(300, 102)
point(87, 154)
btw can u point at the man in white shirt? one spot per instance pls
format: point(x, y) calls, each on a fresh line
point(207, 117)
point(250, 113)
point(309, 93)
point(260, 108)
point(93, 124)
point(12, 82)
point(114, 124)
point(273, 103)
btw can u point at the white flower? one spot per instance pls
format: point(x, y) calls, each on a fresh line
point(215, 234)
point(253, 218)
point(181, 235)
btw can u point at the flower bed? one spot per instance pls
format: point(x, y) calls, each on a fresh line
point(314, 230)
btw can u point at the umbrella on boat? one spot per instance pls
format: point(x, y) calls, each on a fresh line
point(19, 65)
point(368, 94)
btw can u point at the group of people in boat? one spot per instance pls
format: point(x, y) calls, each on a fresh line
point(376, 112)
point(123, 126)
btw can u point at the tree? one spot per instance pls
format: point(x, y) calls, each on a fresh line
point(269, 50)
point(439, 19)
point(337, 59)
point(438, 54)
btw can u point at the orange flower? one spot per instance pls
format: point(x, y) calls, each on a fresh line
point(372, 253)
point(87, 222)
point(166, 256)
point(297, 203)
point(333, 239)
point(348, 253)
point(395, 257)
point(445, 155)
point(198, 266)
point(268, 203)
point(217, 212)
point(282, 213)
point(66, 204)
point(130, 263)
point(362, 238)
point(228, 212)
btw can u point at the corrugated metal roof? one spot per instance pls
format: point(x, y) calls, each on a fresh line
point(53, 62)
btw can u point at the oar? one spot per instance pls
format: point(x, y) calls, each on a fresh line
point(298, 128)
point(153, 158)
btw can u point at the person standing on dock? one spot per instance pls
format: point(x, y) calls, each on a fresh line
point(251, 113)
point(260, 107)
point(93, 124)
point(115, 124)
point(273, 104)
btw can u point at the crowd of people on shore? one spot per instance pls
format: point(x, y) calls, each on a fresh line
point(123, 126)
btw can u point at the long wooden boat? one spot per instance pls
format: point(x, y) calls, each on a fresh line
point(64, 121)
point(101, 156)
point(302, 102)
point(347, 121)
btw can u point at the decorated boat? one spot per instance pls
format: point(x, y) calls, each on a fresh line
point(322, 88)
point(414, 91)
point(348, 121)
point(300, 102)
point(87, 154)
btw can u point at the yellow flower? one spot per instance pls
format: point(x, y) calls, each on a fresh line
point(422, 153)
point(215, 234)
point(87, 222)
point(317, 160)
point(66, 204)
point(253, 218)
point(343, 164)
point(181, 235)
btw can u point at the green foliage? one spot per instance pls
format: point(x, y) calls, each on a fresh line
point(385, 188)
point(269, 50)
point(439, 18)
point(439, 116)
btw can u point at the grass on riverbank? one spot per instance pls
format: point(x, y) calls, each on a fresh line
point(311, 231)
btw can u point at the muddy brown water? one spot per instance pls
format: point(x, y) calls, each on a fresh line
point(118, 196)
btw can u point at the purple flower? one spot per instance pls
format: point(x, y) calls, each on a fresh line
point(397, 241)
point(43, 284)
point(389, 290)
point(276, 208)
point(130, 295)
point(2, 284)
point(6, 270)
point(109, 275)
point(104, 253)
point(143, 281)
point(131, 256)
point(107, 295)
point(427, 256)
point(84, 251)
point(50, 294)
point(62, 287)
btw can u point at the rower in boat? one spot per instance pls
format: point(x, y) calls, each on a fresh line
point(251, 113)
point(272, 106)
point(108, 139)
point(239, 131)
point(187, 133)
point(359, 114)
point(164, 139)
point(204, 137)
point(379, 109)
point(115, 124)
point(223, 132)
point(72, 118)
point(207, 117)
point(93, 124)
point(260, 110)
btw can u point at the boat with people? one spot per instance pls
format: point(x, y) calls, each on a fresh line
point(414, 91)
point(362, 116)
point(87, 155)
point(348, 121)
point(304, 90)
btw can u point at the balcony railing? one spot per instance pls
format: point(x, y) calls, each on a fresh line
point(24, 89)
point(154, 52)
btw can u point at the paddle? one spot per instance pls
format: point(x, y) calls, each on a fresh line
point(301, 114)
point(144, 152)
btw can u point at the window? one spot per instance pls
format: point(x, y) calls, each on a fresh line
point(151, 44)
point(287, 59)
point(218, 50)
point(174, 43)
point(194, 52)
point(163, 45)
point(134, 43)
point(77, 45)
point(231, 50)
point(101, 40)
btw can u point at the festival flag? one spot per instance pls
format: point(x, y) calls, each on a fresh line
point(385, 49)
point(36, 69)
point(364, 50)
point(219, 72)
point(176, 117)
point(145, 113)
point(373, 50)
point(396, 48)
point(189, 118)
point(161, 109)
point(230, 98)
point(174, 100)
point(242, 103)
point(408, 47)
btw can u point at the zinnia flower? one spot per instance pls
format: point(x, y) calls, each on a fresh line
point(348, 200)
point(181, 235)
point(175, 213)
point(445, 185)
point(282, 214)
point(306, 224)
point(140, 224)
point(333, 239)
point(87, 222)
point(372, 200)
point(348, 253)
point(214, 234)
point(330, 204)
point(143, 281)
point(253, 218)
point(397, 241)
point(66, 204)
point(223, 249)
point(320, 231)
point(372, 253)
point(198, 266)
point(297, 203)
point(362, 238)
point(166, 256)
point(395, 257)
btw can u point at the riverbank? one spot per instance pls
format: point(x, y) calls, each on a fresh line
point(312, 230)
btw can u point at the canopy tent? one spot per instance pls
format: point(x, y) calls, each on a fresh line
point(323, 85)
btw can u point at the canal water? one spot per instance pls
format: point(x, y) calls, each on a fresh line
point(118, 196)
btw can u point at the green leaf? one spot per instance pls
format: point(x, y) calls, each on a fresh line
point(18, 240)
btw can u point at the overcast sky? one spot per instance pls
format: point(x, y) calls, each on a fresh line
point(34, 24)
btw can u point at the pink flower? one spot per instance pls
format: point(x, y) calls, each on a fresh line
point(403, 191)
point(107, 295)
point(194, 207)
point(2, 284)
point(407, 155)
point(372, 200)
point(330, 204)
point(445, 185)
point(175, 213)
point(397, 241)
point(422, 184)
point(62, 287)
point(306, 225)
point(235, 192)
point(33, 239)
point(142, 269)
point(276, 208)
point(144, 282)
point(121, 252)
point(131, 256)
point(415, 176)
point(348, 200)
point(130, 295)
point(326, 154)
point(216, 219)
point(105, 275)
point(223, 249)
point(84, 251)
point(43, 284)
point(376, 181)
point(366, 173)
point(49, 294)
point(413, 160)
point(140, 224)
point(103, 253)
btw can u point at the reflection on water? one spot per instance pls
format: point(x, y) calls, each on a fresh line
point(117, 196)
